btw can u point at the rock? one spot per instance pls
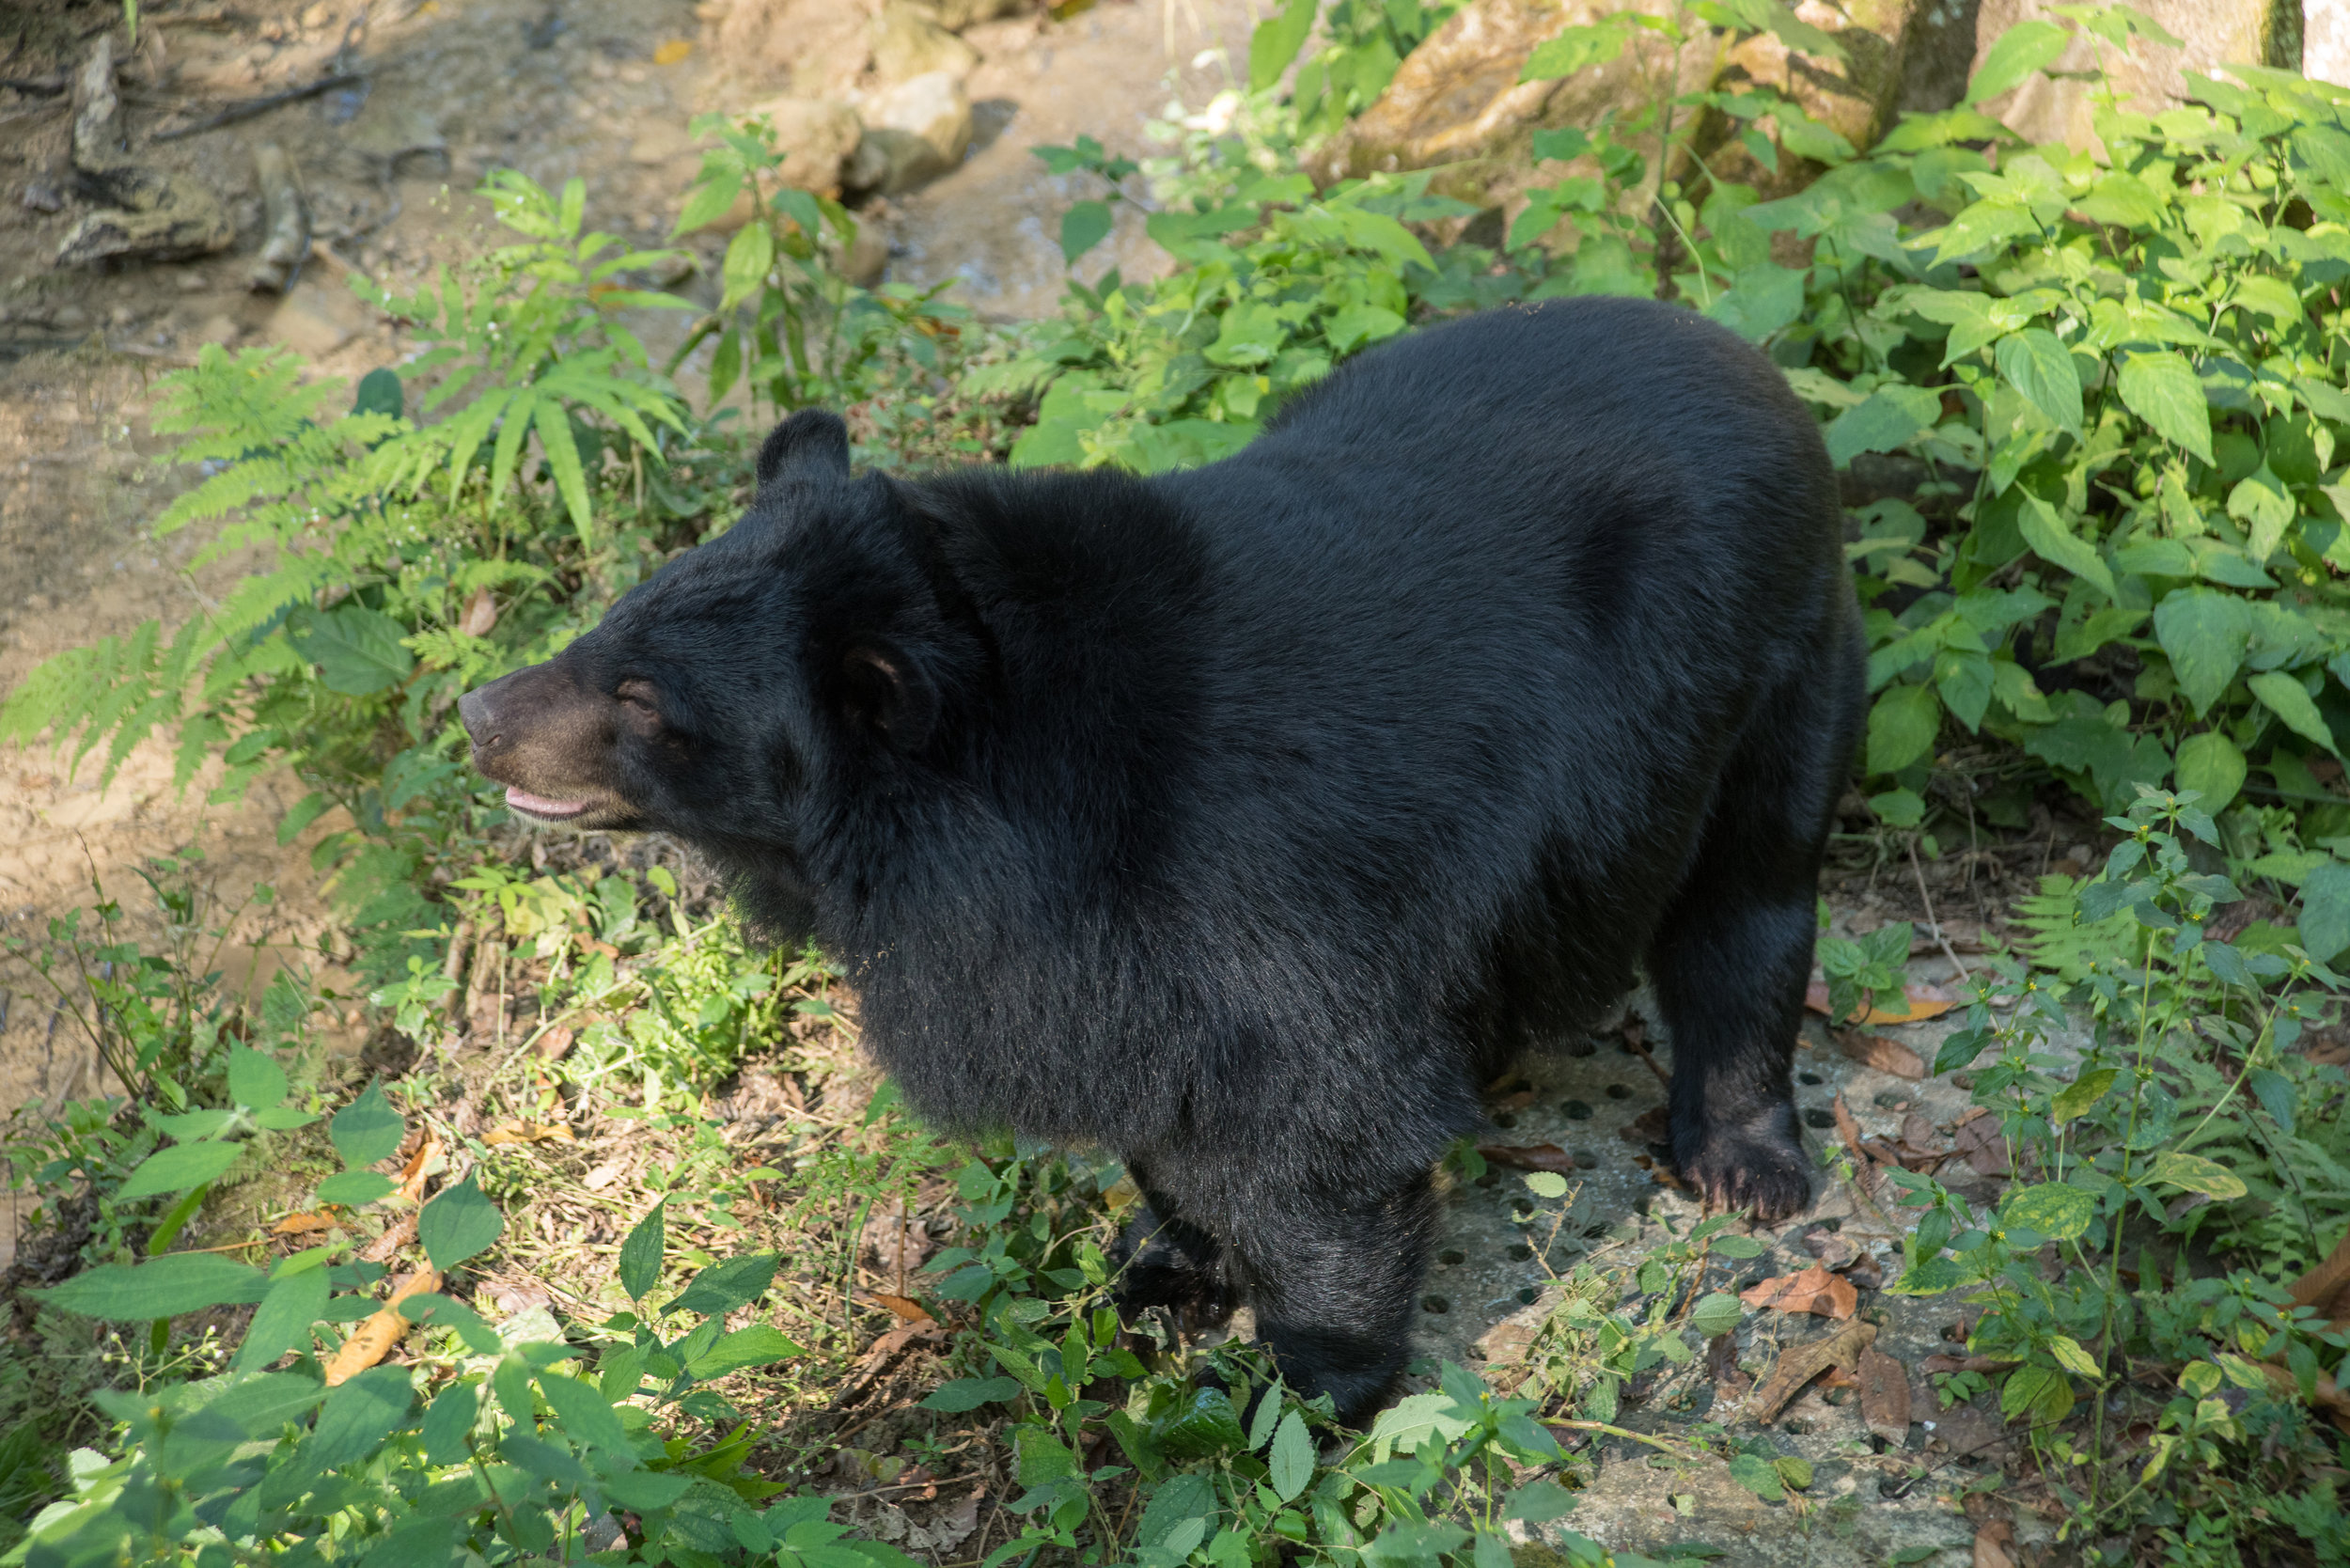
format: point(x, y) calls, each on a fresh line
point(955, 15)
point(315, 319)
point(398, 139)
point(148, 214)
point(42, 195)
point(1856, 98)
point(908, 41)
point(2326, 43)
point(817, 48)
point(815, 136)
point(920, 129)
point(865, 261)
point(1457, 100)
point(2212, 33)
point(658, 143)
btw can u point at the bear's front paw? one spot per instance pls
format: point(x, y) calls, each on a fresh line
point(1170, 1266)
point(1761, 1170)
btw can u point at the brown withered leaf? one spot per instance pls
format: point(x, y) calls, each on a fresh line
point(481, 614)
point(1529, 1156)
point(1995, 1545)
point(1884, 1395)
point(1799, 1364)
point(1885, 1055)
point(528, 1132)
point(908, 1308)
point(373, 1340)
point(556, 1043)
point(1653, 1125)
point(399, 1233)
point(1721, 1365)
point(420, 1167)
point(1945, 1363)
point(1813, 1290)
point(1849, 1131)
point(1925, 1001)
point(300, 1224)
point(1982, 1142)
point(2327, 1287)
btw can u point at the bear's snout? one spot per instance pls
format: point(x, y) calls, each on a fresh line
point(548, 739)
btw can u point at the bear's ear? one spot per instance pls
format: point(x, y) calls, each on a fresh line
point(887, 694)
point(813, 440)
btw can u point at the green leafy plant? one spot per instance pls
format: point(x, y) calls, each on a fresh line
point(1363, 44)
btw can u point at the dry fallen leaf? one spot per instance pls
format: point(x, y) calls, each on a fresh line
point(1812, 1290)
point(671, 51)
point(1992, 1544)
point(1981, 1140)
point(905, 1306)
point(1529, 1156)
point(528, 1132)
point(2327, 1287)
point(1721, 1365)
point(481, 614)
point(556, 1043)
point(298, 1224)
point(1849, 1130)
point(373, 1340)
point(421, 1165)
point(1925, 1001)
point(399, 1233)
point(1884, 1395)
point(1885, 1055)
point(604, 1175)
point(1799, 1364)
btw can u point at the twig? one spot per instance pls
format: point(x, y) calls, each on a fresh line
point(252, 106)
point(1679, 1451)
point(1948, 951)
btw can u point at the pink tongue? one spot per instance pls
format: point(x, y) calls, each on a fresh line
point(539, 806)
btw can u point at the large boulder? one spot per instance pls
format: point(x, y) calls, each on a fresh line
point(2212, 34)
point(910, 42)
point(1856, 96)
point(1457, 103)
point(913, 133)
point(815, 49)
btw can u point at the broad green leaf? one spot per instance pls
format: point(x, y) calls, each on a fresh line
point(179, 1168)
point(357, 1416)
point(1539, 1502)
point(283, 1321)
point(2053, 542)
point(159, 1288)
point(2195, 1174)
point(1759, 1476)
point(2163, 389)
point(380, 392)
point(1902, 728)
point(1889, 416)
point(2211, 765)
point(459, 1223)
point(2024, 48)
point(449, 1421)
point(1275, 43)
point(2036, 364)
point(724, 1286)
point(965, 1394)
point(1205, 1423)
point(433, 1309)
point(2075, 1100)
point(2041, 1392)
point(350, 1188)
point(1290, 1463)
point(641, 1254)
point(2207, 633)
point(2325, 920)
point(554, 422)
point(262, 1402)
point(749, 256)
point(583, 1415)
point(645, 1490)
point(255, 1078)
point(368, 1129)
point(2055, 1210)
point(1087, 225)
point(2282, 694)
point(419, 1541)
point(753, 1346)
point(1717, 1313)
point(357, 650)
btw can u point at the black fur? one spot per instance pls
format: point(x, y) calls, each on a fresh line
point(1246, 819)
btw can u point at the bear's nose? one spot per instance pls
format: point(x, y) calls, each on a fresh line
point(479, 718)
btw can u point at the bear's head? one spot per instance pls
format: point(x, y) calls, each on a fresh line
point(806, 644)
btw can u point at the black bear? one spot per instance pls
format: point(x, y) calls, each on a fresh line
point(1244, 821)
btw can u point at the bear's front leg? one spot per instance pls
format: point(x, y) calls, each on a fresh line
point(1164, 1259)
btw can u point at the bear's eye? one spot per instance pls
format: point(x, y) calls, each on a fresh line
point(637, 697)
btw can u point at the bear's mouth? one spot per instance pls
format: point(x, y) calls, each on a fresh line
point(546, 810)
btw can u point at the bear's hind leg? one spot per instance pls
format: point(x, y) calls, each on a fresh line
point(1734, 954)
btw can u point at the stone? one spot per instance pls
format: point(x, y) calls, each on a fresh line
point(813, 48)
point(1457, 104)
point(2212, 34)
point(398, 139)
point(955, 15)
point(42, 195)
point(314, 321)
point(146, 213)
point(658, 143)
point(920, 129)
point(815, 136)
point(2325, 42)
point(909, 41)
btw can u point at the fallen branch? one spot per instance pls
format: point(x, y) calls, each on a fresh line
point(249, 107)
point(373, 1340)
